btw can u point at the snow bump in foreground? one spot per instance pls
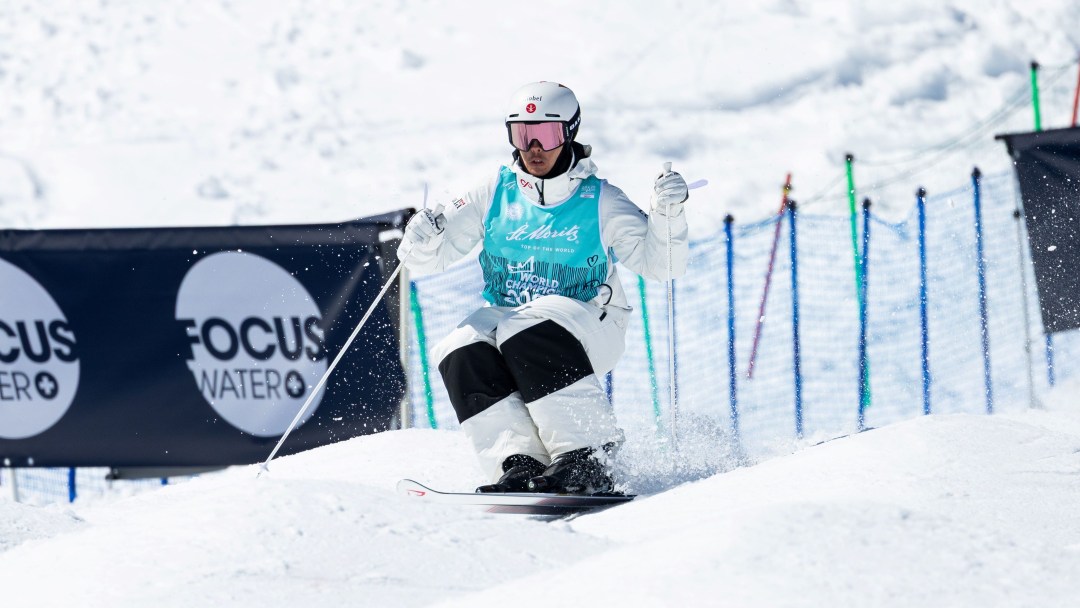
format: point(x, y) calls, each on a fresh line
point(944, 510)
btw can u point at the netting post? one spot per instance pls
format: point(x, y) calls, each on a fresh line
point(653, 385)
point(1038, 127)
point(405, 413)
point(864, 368)
point(980, 261)
point(14, 480)
point(1018, 215)
point(796, 347)
point(1051, 378)
point(421, 345)
point(71, 484)
point(924, 318)
point(733, 391)
point(768, 279)
point(1076, 99)
point(1035, 95)
point(849, 162)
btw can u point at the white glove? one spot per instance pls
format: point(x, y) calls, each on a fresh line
point(669, 193)
point(425, 227)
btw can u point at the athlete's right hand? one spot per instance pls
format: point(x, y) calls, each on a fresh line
point(423, 228)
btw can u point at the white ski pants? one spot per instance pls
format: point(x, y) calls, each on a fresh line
point(525, 380)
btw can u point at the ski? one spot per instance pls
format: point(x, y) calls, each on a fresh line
point(524, 503)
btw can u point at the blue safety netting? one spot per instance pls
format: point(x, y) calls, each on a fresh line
point(777, 409)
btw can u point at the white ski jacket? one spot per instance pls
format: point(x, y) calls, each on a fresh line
point(638, 240)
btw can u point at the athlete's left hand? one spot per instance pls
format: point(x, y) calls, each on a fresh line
point(669, 193)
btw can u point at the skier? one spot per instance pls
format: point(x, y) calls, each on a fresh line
point(523, 372)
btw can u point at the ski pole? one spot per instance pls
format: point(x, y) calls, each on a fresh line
point(345, 348)
point(672, 390)
point(672, 396)
point(393, 276)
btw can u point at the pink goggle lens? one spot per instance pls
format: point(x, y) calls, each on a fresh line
point(549, 134)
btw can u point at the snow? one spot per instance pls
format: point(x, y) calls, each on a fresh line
point(238, 111)
point(245, 112)
point(955, 510)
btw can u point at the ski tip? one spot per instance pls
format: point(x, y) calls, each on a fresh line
point(408, 487)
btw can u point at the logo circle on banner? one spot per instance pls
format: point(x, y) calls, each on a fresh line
point(39, 365)
point(256, 338)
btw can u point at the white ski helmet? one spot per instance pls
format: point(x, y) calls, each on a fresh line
point(539, 102)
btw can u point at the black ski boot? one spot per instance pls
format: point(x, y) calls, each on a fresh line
point(576, 472)
point(517, 470)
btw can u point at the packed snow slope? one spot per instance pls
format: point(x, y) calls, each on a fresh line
point(249, 112)
point(958, 510)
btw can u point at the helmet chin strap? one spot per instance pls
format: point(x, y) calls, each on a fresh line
point(564, 162)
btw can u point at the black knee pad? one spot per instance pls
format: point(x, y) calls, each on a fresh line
point(476, 377)
point(545, 358)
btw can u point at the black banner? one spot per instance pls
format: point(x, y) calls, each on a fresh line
point(193, 346)
point(1048, 167)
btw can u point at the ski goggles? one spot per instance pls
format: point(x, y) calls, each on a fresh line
point(551, 135)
